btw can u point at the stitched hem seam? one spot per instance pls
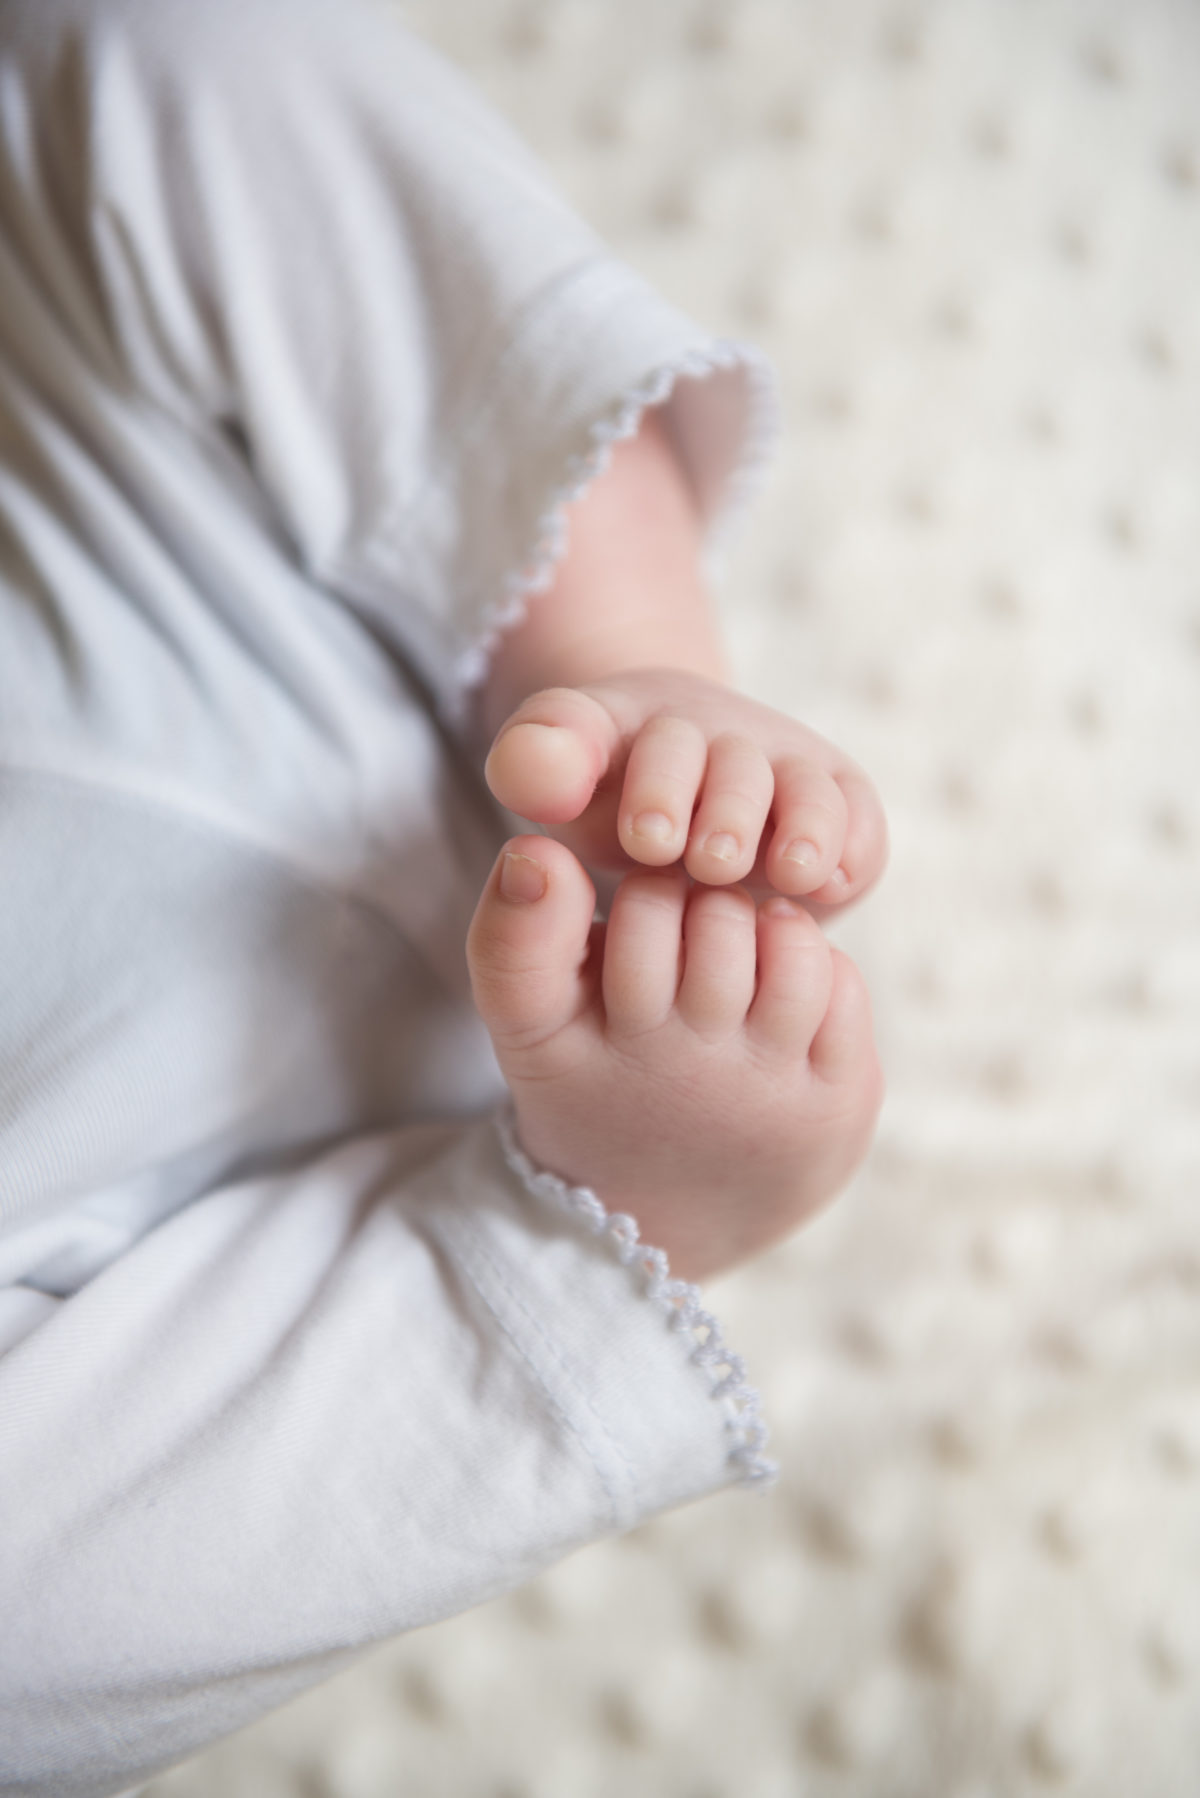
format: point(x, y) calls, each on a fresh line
point(612, 1468)
point(678, 1300)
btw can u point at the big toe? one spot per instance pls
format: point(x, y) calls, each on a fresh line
point(528, 942)
point(548, 757)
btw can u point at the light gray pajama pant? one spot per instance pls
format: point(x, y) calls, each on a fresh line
point(299, 359)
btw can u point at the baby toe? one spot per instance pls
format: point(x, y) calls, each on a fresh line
point(795, 977)
point(662, 776)
point(528, 942)
point(843, 1049)
point(548, 757)
point(719, 960)
point(810, 830)
point(642, 950)
point(733, 808)
point(865, 845)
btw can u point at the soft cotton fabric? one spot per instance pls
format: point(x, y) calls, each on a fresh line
point(299, 358)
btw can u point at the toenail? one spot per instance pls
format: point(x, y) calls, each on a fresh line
point(722, 847)
point(804, 853)
point(522, 879)
point(779, 907)
point(655, 827)
point(839, 878)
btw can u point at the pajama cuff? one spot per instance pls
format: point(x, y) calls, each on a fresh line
point(596, 349)
point(677, 1302)
point(631, 1359)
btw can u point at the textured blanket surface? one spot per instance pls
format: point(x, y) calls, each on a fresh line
point(968, 232)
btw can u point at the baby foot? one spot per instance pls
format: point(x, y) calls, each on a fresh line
point(655, 766)
point(702, 1063)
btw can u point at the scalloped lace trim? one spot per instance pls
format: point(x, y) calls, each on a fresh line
point(612, 427)
point(678, 1300)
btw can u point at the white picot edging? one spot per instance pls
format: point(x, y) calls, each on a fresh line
point(678, 1300)
point(619, 422)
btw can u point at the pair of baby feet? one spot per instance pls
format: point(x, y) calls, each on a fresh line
point(703, 1058)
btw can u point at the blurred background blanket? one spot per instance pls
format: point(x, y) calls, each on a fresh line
point(968, 233)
